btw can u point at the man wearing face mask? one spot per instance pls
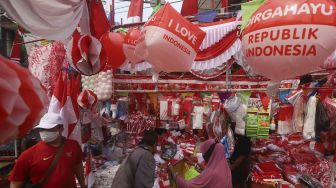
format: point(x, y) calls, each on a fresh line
point(33, 164)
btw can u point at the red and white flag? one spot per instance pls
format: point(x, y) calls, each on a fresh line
point(64, 102)
point(189, 7)
point(135, 11)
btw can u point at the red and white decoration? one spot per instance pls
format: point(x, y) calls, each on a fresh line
point(134, 63)
point(218, 48)
point(23, 100)
point(169, 42)
point(45, 63)
point(113, 46)
point(289, 38)
point(86, 54)
point(87, 99)
point(64, 102)
point(135, 11)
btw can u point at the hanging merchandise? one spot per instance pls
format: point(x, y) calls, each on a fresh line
point(302, 31)
point(168, 34)
point(87, 99)
point(237, 112)
point(113, 46)
point(296, 99)
point(23, 101)
point(45, 63)
point(86, 54)
point(285, 120)
point(251, 125)
point(198, 117)
point(104, 85)
point(309, 122)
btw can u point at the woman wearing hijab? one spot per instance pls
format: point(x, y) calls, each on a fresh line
point(216, 174)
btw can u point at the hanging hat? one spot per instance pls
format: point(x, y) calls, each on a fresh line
point(87, 99)
point(87, 54)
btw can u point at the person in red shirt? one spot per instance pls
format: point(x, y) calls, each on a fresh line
point(34, 162)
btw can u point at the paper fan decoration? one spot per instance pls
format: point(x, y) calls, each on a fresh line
point(86, 54)
point(23, 100)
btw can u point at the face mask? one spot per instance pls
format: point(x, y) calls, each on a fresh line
point(48, 136)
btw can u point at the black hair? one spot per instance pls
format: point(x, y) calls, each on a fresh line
point(209, 152)
point(149, 138)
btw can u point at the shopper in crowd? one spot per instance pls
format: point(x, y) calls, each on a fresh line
point(51, 163)
point(138, 169)
point(216, 174)
point(239, 160)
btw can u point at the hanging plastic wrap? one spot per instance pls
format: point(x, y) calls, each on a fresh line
point(309, 123)
point(237, 112)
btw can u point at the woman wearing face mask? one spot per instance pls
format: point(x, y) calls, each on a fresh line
point(216, 174)
point(33, 164)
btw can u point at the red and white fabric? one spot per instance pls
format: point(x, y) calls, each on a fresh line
point(45, 63)
point(285, 120)
point(23, 100)
point(54, 19)
point(28, 38)
point(86, 54)
point(64, 102)
point(219, 46)
point(216, 31)
point(87, 99)
point(169, 42)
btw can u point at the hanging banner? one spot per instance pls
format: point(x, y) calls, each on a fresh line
point(169, 42)
point(289, 38)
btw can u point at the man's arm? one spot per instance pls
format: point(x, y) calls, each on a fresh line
point(16, 184)
point(79, 171)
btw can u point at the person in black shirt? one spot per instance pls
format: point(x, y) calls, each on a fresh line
point(239, 160)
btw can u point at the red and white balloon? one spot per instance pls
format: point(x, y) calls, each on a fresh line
point(129, 45)
point(288, 38)
point(113, 45)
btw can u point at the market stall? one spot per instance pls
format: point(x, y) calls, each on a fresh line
point(261, 84)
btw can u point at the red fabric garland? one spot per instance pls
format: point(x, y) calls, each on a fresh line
point(218, 48)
